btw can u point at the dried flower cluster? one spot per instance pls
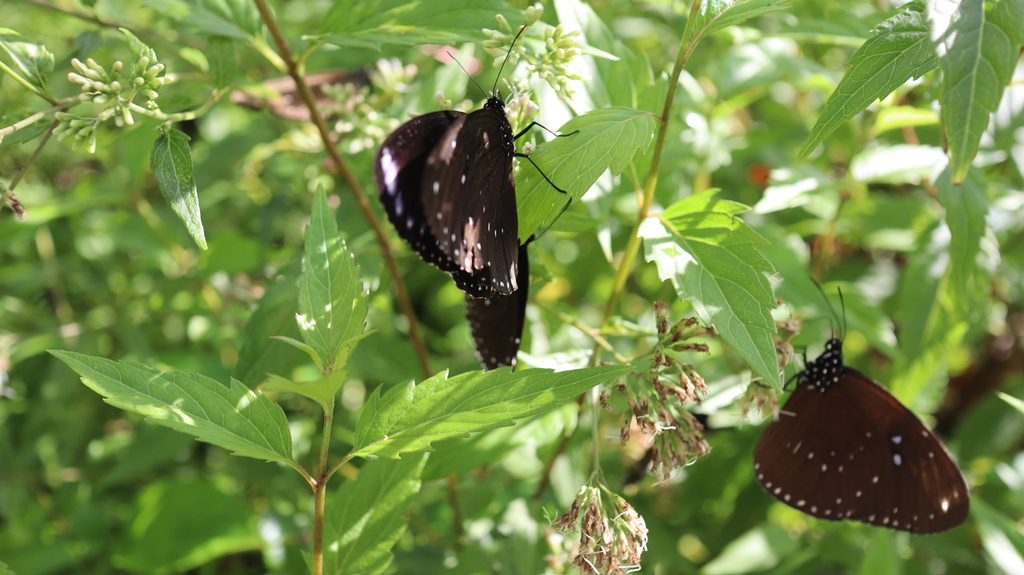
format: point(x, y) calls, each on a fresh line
point(613, 536)
point(658, 397)
point(552, 64)
point(116, 97)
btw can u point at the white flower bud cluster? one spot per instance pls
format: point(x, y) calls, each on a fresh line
point(80, 128)
point(113, 93)
point(553, 65)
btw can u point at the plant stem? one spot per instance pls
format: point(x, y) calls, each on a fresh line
point(296, 73)
point(320, 489)
point(650, 184)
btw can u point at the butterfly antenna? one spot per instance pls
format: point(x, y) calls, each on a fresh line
point(842, 303)
point(479, 87)
point(828, 302)
point(494, 90)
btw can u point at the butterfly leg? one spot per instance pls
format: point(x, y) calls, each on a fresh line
point(527, 156)
point(532, 124)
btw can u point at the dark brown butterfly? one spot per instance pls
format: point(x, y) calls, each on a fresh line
point(497, 322)
point(445, 180)
point(845, 448)
point(469, 232)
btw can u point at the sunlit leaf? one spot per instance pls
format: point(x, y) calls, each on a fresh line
point(711, 256)
point(365, 517)
point(411, 417)
point(608, 138)
point(899, 50)
point(232, 417)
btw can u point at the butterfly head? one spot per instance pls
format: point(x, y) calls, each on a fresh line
point(827, 368)
point(495, 103)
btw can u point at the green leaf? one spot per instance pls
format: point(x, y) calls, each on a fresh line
point(897, 117)
point(930, 326)
point(172, 165)
point(301, 346)
point(608, 138)
point(232, 417)
point(332, 305)
point(712, 259)
point(141, 50)
point(881, 555)
point(320, 390)
point(232, 18)
point(900, 50)
point(34, 60)
point(411, 417)
point(715, 15)
point(221, 53)
point(897, 164)
point(966, 208)
point(273, 317)
point(1000, 536)
point(182, 525)
point(361, 24)
point(365, 518)
point(977, 52)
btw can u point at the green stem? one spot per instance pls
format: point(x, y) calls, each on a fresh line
point(650, 185)
point(320, 489)
point(17, 78)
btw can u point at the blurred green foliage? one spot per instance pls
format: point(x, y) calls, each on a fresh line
point(931, 271)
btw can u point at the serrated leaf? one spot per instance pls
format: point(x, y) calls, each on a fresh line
point(900, 50)
point(977, 51)
point(715, 15)
point(34, 60)
point(232, 417)
point(320, 390)
point(966, 208)
point(332, 305)
point(712, 259)
point(360, 24)
point(411, 417)
point(608, 138)
point(171, 163)
point(365, 518)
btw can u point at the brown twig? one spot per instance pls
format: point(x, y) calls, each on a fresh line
point(296, 73)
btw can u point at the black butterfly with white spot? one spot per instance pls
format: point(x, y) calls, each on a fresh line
point(845, 448)
point(445, 180)
point(420, 179)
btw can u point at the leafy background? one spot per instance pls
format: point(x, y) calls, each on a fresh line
point(102, 265)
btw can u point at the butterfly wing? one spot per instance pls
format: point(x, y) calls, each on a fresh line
point(469, 198)
point(398, 173)
point(853, 451)
point(497, 322)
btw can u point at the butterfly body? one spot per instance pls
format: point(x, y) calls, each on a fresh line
point(845, 448)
